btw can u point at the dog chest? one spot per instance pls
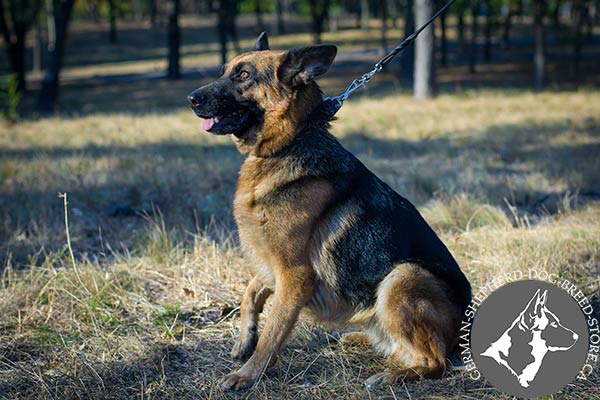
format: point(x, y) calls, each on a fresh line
point(276, 218)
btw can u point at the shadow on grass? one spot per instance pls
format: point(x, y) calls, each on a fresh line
point(116, 193)
point(192, 370)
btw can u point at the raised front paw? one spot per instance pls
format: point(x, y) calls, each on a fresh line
point(244, 347)
point(237, 381)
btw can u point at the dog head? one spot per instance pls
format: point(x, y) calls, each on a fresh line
point(537, 317)
point(263, 96)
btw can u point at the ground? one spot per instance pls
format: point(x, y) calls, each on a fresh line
point(147, 305)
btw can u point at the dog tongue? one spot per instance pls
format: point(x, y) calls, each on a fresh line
point(207, 124)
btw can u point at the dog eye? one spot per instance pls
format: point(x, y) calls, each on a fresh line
point(554, 325)
point(244, 75)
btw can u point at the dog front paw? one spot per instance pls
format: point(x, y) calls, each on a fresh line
point(237, 381)
point(244, 347)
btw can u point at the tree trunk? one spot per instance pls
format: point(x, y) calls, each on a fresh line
point(112, 16)
point(394, 13)
point(17, 58)
point(461, 29)
point(14, 32)
point(319, 10)
point(507, 25)
point(407, 57)
point(280, 18)
point(556, 15)
point(578, 21)
point(173, 39)
point(137, 10)
point(424, 83)
point(259, 17)
point(49, 92)
point(474, 29)
point(51, 20)
point(364, 14)
point(152, 12)
point(489, 20)
point(37, 48)
point(538, 52)
point(384, 17)
point(444, 40)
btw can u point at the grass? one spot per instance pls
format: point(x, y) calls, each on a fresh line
point(147, 306)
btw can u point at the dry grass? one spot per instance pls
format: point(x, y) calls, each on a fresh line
point(510, 180)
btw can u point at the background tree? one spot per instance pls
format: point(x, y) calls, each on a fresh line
point(443, 37)
point(475, 8)
point(507, 23)
point(16, 18)
point(260, 23)
point(492, 11)
point(174, 38)
point(407, 57)
point(319, 12)
point(226, 26)
point(424, 81)
point(461, 8)
point(364, 14)
point(383, 12)
point(539, 56)
point(579, 10)
point(280, 17)
point(152, 12)
point(61, 14)
point(112, 17)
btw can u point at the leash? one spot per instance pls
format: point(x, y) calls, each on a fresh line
point(333, 104)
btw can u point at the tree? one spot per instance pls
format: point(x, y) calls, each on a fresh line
point(174, 37)
point(444, 40)
point(319, 11)
point(424, 81)
point(152, 11)
point(539, 57)
point(364, 14)
point(259, 16)
point(383, 9)
point(61, 13)
point(112, 17)
point(578, 21)
point(461, 8)
point(490, 22)
point(226, 26)
point(407, 57)
point(280, 18)
point(474, 29)
point(507, 23)
point(16, 18)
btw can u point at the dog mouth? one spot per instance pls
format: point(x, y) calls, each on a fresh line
point(225, 124)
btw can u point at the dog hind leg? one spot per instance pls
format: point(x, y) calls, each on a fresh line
point(415, 324)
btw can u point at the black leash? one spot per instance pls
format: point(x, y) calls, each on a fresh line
point(333, 104)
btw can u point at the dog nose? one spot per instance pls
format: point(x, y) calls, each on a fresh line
point(575, 336)
point(196, 99)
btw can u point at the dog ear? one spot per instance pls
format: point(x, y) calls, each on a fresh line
point(301, 65)
point(262, 43)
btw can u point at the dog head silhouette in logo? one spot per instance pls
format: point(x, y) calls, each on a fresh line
point(534, 333)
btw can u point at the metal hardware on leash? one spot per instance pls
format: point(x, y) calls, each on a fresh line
point(333, 104)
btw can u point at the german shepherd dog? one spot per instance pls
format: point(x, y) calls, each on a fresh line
point(322, 231)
